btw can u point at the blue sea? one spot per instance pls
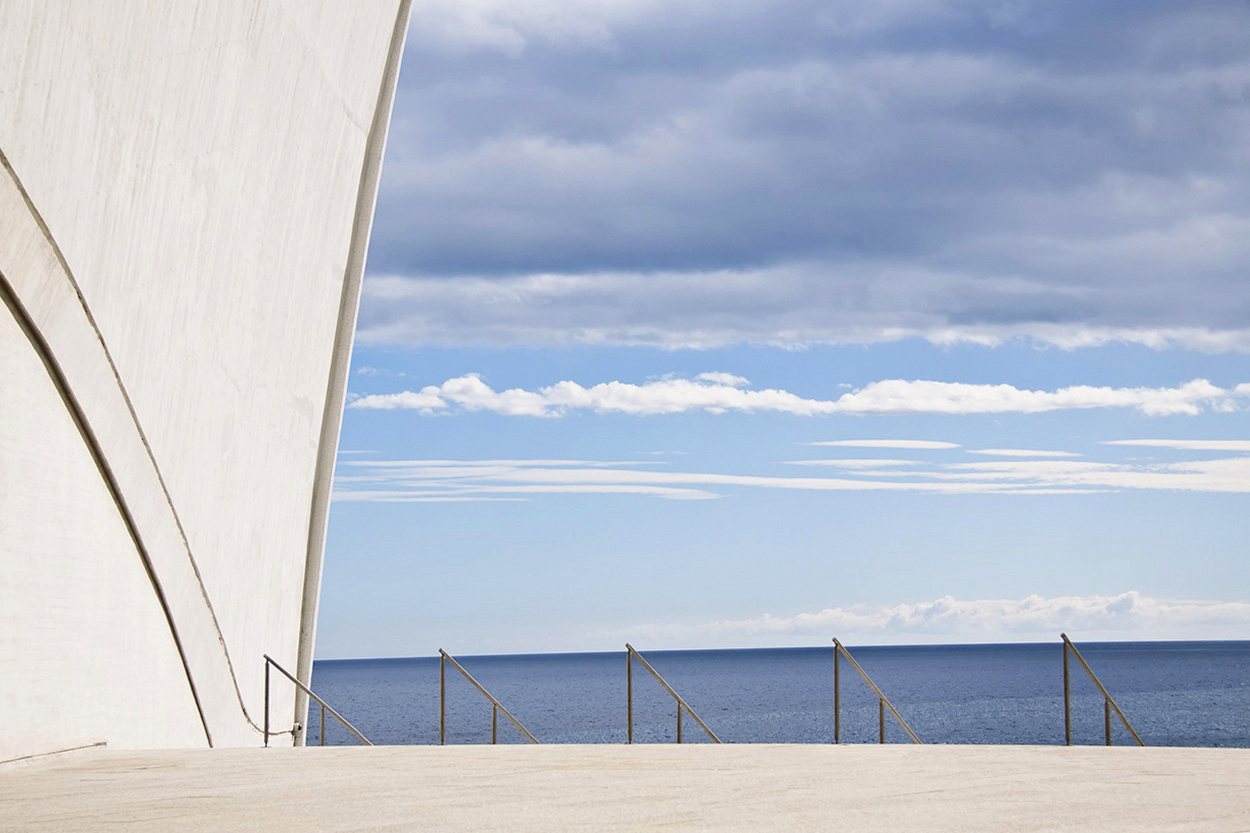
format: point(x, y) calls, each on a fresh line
point(1173, 693)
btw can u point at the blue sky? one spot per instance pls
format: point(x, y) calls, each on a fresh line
point(755, 323)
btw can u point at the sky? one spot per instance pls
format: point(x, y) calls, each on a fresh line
point(754, 323)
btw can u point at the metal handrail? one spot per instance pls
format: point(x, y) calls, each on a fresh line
point(882, 702)
point(324, 706)
point(1107, 705)
point(630, 654)
point(496, 706)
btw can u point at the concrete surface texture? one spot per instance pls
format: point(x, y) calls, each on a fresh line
point(689, 787)
point(185, 199)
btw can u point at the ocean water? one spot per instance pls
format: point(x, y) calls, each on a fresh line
point(1174, 694)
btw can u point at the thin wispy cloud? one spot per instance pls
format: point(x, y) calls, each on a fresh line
point(1223, 475)
point(1127, 615)
point(912, 444)
point(1187, 445)
point(400, 481)
point(410, 481)
point(1021, 452)
point(718, 393)
point(855, 462)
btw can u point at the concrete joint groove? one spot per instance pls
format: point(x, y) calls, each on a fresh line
point(74, 408)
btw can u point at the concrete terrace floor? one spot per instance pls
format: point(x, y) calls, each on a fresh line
point(611, 787)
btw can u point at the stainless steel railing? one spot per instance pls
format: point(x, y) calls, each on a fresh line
point(882, 702)
point(324, 707)
point(630, 655)
point(1107, 705)
point(496, 706)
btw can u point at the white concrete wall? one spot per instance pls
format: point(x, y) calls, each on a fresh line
point(187, 194)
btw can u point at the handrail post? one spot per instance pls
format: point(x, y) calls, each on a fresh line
point(679, 722)
point(629, 697)
point(881, 718)
point(837, 705)
point(322, 735)
point(494, 723)
point(266, 702)
point(442, 700)
point(1067, 699)
point(1106, 719)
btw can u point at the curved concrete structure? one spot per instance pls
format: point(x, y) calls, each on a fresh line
point(185, 200)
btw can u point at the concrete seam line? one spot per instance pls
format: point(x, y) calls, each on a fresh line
point(75, 411)
point(73, 282)
point(336, 384)
point(12, 763)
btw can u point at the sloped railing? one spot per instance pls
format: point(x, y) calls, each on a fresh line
point(496, 706)
point(630, 655)
point(882, 703)
point(1107, 704)
point(269, 661)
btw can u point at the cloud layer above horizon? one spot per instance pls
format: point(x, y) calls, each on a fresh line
point(720, 392)
point(792, 171)
point(973, 620)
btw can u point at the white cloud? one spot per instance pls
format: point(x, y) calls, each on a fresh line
point(393, 480)
point(1190, 445)
point(449, 466)
point(1021, 452)
point(423, 480)
point(1124, 616)
point(917, 444)
point(468, 494)
point(426, 403)
point(382, 496)
point(1225, 475)
point(719, 392)
point(899, 396)
point(724, 379)
point(853, 462)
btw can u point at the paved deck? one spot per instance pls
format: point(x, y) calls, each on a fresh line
point(691, 787)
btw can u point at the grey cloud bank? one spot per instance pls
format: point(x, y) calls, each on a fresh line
point(700, 174)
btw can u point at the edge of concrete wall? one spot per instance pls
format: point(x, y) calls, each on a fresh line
point(345, 334)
